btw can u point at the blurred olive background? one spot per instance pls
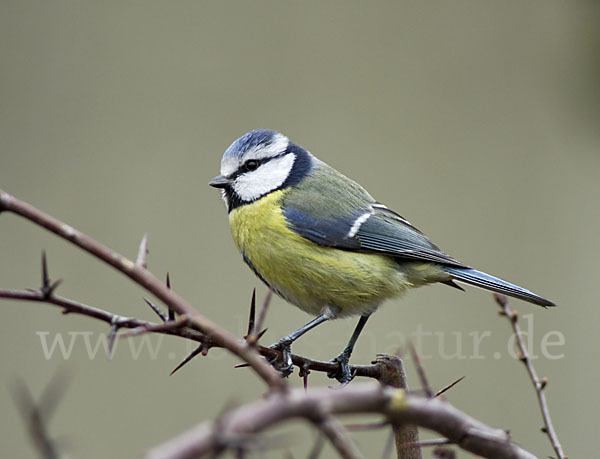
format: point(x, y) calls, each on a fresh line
point(477, 121)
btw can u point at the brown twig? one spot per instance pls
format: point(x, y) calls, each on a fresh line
point(338, 437)
point(36, 415)
point(180, 322)
point(317, 447)
point(538, 384)
point(420, 370)
point(398, 406)
point(177, 328)
point(388, 446)
point(74, 307)
point(378, 369)
point(144, 278)
point(366, 427)
point(201, 329)
point(392, 374)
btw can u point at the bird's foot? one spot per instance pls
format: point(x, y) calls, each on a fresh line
point(284, 364)
point(342, 374)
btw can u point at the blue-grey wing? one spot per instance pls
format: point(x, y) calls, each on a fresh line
point(371, 229)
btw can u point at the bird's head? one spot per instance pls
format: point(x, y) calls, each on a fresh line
point(258, 163)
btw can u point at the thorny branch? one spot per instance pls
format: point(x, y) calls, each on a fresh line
point(399, 408)
point(538, 384)
point(146, 279)
point(176, 327)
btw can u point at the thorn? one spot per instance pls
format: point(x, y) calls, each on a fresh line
point(342, 384)
point(449, 386)
point(521, 357)
point(241, 365)
point(543, 383)
point(543, 429)
point(263, 311)
point(420, 370)
point(45, 278)
point(514, 317)
point(48, 287)
point(111, 339)
point(171, 315)
point(500, 299)
point(193, 354)
point(142, 252)
point(260, 335)
point(50, 291)
point(252, 314)
point(252, 338)
point(158, 312)
point(205, 348)
point(303, 373)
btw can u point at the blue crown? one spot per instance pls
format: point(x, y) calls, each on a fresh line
point(249, 141)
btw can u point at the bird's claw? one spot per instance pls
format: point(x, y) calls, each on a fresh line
point(283, 365)
point(342, 373)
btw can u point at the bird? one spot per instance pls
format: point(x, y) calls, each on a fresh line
point(321, 242)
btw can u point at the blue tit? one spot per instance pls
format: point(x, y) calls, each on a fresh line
point(323, 243)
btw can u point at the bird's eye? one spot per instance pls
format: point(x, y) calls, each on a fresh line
point(251, 165)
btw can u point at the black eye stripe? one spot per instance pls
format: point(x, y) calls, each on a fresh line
point(243, 168)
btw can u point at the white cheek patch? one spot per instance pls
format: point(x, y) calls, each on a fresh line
point(268, 177)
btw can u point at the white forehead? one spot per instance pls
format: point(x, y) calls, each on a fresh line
point(278, 144)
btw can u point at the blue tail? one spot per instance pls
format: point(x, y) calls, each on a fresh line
point(483, 280)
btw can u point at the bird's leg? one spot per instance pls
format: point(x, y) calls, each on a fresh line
point(342, 374)
point(285, 344)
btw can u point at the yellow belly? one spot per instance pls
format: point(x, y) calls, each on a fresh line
point(314, 277)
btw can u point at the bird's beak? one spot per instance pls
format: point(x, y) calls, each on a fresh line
point(220, 181)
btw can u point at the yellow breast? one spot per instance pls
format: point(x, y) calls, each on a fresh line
point(311, 276)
